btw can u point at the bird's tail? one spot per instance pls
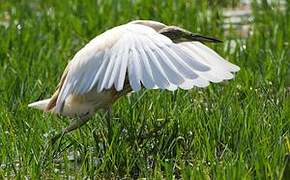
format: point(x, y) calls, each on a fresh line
point(39, 104)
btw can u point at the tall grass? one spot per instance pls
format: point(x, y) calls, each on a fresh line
point(237, 129)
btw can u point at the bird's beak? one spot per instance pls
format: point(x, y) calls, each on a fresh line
point(201, 38)
point(178, 35)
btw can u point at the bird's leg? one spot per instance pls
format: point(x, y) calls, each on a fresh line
point(109, 122)
point(75, 123)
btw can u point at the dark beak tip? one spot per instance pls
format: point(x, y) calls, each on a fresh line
point(215, 40)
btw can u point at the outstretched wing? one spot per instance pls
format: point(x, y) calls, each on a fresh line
point(146, 58)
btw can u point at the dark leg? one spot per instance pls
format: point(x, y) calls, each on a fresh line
point(108, 112)
point(75, 123)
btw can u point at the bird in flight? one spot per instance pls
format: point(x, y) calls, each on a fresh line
point(139, 54)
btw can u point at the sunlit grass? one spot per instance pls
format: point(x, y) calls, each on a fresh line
point(232, 130)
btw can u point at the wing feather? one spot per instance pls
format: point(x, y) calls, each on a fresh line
point(183, 68)
point(121, 75)
point(211, 56)
point(216, 74)
point(157, 71)
point(169, 69)
point(108, 70)
point(101, 72)
point(147, 77)
point(134, 71)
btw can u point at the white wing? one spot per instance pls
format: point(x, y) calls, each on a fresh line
point(146, 58)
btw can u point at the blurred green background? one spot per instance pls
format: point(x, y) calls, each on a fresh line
point(233, 130)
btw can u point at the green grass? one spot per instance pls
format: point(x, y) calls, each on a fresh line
point(233, 130)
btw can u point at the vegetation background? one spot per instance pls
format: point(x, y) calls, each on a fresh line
point(233, 130)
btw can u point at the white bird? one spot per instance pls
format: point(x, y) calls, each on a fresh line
point(139, 54)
